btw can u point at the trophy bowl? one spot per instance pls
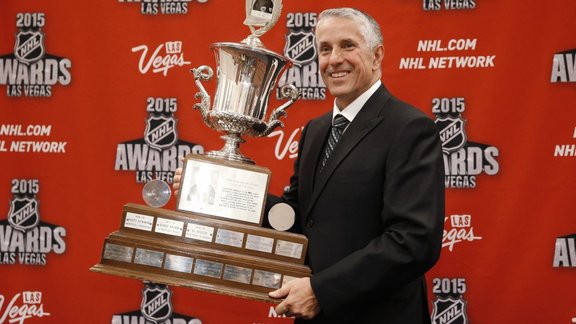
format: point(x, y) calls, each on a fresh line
point(246, 77)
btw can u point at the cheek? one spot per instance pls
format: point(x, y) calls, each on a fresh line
point(322, 63)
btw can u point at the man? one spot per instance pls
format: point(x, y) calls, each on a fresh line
point(373, 210)
point(372, 204)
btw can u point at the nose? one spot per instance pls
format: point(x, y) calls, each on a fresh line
point(336, 57)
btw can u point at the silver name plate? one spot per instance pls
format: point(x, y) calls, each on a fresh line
point(118, 252)
point(199, 232)
point(149, 258)
point(266, 279)
point(230, 238)
point(208, 268)
point(289, 249)
point(259, 243)
point(178, 263)
point(169, 227)
point(238, 274)
point(139, 221)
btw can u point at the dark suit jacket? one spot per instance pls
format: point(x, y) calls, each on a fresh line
point(374, 215)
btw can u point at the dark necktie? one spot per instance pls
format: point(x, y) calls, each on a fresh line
point(338, 125)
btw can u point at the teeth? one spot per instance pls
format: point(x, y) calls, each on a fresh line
point(338, 74)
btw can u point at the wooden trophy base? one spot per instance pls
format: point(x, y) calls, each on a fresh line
point(193, 251)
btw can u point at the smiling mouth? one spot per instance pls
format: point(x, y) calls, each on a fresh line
point(338, 74)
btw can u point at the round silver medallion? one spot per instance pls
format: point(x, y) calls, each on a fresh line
point(156, 193)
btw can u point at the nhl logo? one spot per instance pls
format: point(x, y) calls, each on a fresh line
point(452, 133)
point(23, 214)
point(160, 132)
point(300, 47)
point(449, 311)
point(29, 46)
point(156, 303)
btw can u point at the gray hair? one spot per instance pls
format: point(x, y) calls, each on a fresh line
point(369, 27)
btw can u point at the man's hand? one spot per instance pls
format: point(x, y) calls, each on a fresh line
point(176, 181)
point(299, 301)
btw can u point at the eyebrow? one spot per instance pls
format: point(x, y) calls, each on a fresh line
point(342, 41)
point(349, 40)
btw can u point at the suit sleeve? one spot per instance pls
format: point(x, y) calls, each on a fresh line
point(291, 195)
point(412, 215)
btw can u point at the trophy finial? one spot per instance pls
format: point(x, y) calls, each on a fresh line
point(261, 16)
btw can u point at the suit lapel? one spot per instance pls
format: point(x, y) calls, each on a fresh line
point(369, 116)
point(314, 145)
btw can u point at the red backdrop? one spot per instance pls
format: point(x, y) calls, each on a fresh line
point(79, 80)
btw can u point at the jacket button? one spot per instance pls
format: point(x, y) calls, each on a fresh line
point(310, 223)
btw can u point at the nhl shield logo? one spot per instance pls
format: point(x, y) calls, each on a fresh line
point(156, 303)
point(23, 214)
point(452, 133)
point(300, 47)
point(449, 311)
point(29, 46)
point(160, 132)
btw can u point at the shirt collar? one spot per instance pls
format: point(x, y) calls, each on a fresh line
point(354, 107)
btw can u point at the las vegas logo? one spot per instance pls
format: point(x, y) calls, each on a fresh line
point(24, 239)
point(157, 154)
point(30, 71)
point(464, 160)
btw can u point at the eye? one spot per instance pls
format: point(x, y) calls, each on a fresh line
point(348, 46)
point(324, 49)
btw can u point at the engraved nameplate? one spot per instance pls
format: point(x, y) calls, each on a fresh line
point(178, 263)
point(230, 238)
point(118, 252)
point(149, 257)
point(168, 226)
point(266, 279)
point(199, 232)
point(238, 274)
point(289, 249)
point(138, 221)
point(208, 268)
point(222, 191)
point(259, 243)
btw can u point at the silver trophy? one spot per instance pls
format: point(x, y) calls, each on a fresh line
point(246, 74)
point(214, 240)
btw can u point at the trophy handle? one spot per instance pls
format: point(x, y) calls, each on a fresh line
point(288, 91)
point(205, 73)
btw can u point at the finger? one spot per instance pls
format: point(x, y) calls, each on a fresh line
point(176, 180)
point(281, 309)
point(279, 293)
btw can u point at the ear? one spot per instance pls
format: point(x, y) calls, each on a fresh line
point(378, 56)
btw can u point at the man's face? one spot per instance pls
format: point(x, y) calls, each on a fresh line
point(347, 65)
